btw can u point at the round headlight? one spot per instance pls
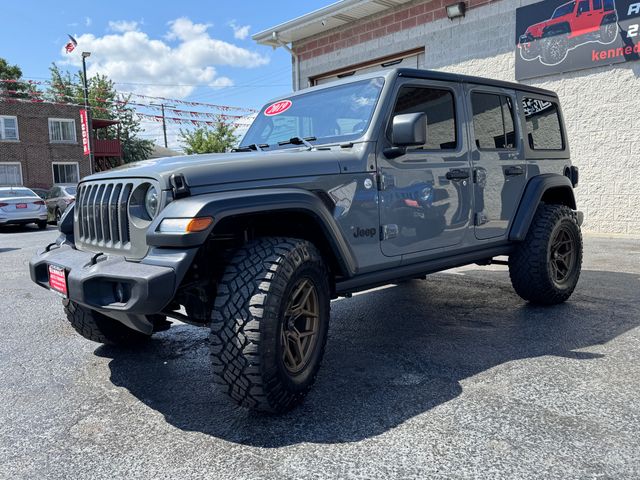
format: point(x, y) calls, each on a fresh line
point(151, 201)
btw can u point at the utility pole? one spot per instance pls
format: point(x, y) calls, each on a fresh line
point(85, 86)
point(164, 123)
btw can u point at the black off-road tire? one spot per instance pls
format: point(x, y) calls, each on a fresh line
point(99, 328)
point(248, 315)
point(530, 266)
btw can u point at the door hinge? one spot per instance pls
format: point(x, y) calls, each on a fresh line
point(389, 231)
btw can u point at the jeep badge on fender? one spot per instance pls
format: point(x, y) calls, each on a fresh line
point(254, 244)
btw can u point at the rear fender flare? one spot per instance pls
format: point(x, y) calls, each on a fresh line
point(531, 198)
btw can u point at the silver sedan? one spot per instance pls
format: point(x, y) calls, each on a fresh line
point(19, 205)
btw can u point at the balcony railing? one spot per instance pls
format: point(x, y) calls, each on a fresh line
point(107, 148)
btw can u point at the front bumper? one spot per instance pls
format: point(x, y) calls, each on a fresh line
point(124, 290)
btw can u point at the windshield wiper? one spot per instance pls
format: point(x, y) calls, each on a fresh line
point(299, 141)
point(258, 147)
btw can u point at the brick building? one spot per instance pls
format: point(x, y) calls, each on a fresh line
point(598, 95)
point(40, 145)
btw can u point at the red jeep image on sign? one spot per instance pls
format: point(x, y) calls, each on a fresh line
point(571, 25)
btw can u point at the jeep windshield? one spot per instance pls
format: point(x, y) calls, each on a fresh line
point(331, 115)
point(563, 10)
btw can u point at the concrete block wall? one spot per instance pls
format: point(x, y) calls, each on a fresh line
point(34, 150)
point(600, 105)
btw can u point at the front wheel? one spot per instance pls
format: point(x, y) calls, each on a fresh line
point(554, 49)
point(269, 323)
point(545, 267)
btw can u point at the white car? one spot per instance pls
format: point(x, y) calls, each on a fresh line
point(19, 205)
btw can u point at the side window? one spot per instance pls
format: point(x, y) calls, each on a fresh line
point(543, 124)
point(609, 5)
point(597, 4)
point(8, 128)
point(493, 123)
point(583, 6)
point(441, 117)
point(65, 173)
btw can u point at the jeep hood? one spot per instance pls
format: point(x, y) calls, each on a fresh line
point(213, 169)
point(537, 29)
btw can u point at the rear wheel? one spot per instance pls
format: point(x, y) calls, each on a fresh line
point(99, 328)
point(608, 32)
point(269, 323)
point(545, 267)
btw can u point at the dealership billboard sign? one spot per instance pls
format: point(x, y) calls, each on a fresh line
point(555, 36)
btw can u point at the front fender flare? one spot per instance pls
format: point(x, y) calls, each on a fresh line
point(533, 193)
point(222, 205)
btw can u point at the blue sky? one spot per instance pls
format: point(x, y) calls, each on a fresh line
point(194, 50)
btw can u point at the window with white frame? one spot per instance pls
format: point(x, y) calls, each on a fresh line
point(62, 130)
point(8, 128)
point(10, 173)
point(65, 172)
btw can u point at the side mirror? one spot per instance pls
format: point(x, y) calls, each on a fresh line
point(409, 129)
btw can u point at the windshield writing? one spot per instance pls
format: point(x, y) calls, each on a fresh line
point(334, 114)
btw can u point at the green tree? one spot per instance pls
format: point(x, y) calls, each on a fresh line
point(13, 89)
point(107, 104)
point(219, 139)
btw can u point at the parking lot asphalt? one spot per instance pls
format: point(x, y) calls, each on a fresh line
point(452, 377)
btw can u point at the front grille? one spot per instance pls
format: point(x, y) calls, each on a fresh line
point(102, 218)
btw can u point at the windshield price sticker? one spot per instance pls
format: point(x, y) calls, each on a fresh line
point(278, 108)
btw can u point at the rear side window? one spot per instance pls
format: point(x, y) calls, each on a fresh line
point(440, 109)
point(493, 121)
point(543, 124)
point(597, 4)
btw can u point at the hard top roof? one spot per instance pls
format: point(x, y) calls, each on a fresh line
point(455, 77)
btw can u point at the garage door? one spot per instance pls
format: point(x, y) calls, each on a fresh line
point(413, 59)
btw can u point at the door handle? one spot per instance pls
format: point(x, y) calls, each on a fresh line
point(457, 174)
point(513, 171)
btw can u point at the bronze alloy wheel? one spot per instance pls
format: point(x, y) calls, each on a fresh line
point(299, 333)
point(562, 255)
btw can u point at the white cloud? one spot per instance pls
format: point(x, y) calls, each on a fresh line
point(184, 29)
point(87, 21)
point(241, 32)
point(122, 26)
point(169, 67)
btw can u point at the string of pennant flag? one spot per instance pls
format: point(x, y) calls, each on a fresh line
point(187, 121)
point(139, 95)
point(37, 97)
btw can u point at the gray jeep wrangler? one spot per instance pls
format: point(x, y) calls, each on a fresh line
point(371, 180)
